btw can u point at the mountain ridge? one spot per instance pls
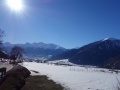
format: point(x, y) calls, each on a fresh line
point(95, 53)
point(34, 44)
point(37, 50)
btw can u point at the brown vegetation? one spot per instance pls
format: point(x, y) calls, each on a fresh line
point(15, 78)
point(41, 83)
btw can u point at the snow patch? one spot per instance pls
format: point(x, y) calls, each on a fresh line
point(109, 39)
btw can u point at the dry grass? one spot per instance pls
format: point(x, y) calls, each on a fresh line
point(15, 78)
point(41, 83)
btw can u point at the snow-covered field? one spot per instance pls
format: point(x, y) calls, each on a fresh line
point(76, 77)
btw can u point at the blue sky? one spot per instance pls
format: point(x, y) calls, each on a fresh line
point(68, 23)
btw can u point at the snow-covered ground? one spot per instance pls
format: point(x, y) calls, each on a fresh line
point(76, 77)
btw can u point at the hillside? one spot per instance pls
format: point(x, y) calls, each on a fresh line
point(95, 53)
point(113, 63)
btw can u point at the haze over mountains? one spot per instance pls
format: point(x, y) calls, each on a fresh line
point(37, 50)
point(95, 53)
point(40, 45)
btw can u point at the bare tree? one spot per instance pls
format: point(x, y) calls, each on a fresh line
point(2, 34)
point(17, 53)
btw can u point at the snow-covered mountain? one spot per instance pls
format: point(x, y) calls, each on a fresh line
point(35, 45)
point(37, 50)
point(95, 53)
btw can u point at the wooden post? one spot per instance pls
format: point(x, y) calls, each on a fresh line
point(3, 72)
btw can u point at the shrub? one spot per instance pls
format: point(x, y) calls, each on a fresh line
point(15, 78)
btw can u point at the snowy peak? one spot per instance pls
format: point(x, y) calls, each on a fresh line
point(110, 43)
point(111, 39)
point(7, 44)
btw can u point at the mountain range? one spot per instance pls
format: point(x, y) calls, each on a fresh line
point(37, 50)
point(95, 53)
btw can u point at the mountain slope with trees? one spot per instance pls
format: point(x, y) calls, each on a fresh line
point(95, 53)
point(113, 63)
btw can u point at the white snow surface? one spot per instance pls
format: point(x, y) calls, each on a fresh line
point(111, 38)
point(76, 77)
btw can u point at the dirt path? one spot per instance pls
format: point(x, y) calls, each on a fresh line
point(7, 65)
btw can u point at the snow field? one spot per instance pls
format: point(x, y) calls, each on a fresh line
point(75, 77)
